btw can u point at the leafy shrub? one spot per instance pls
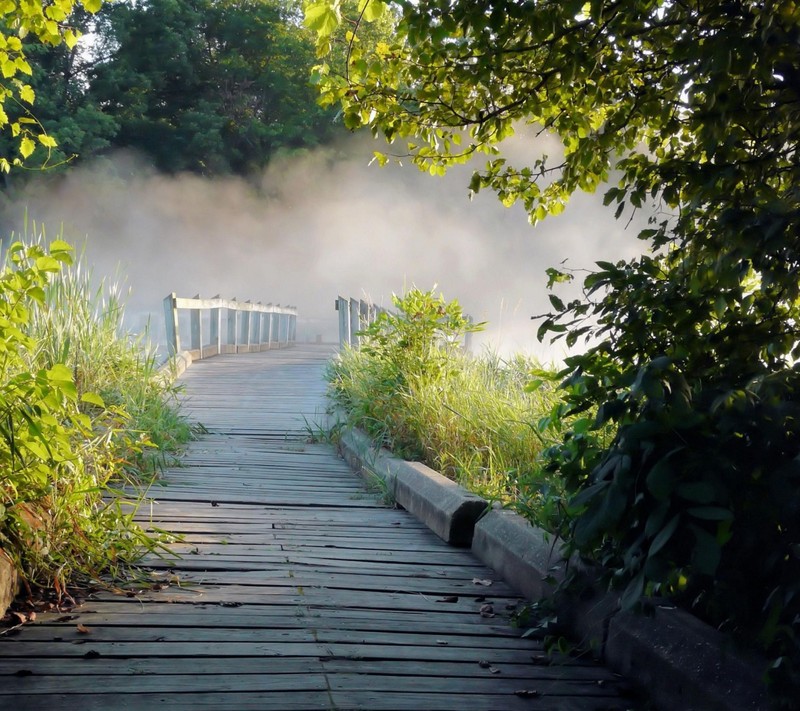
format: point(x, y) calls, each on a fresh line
point(697, 497)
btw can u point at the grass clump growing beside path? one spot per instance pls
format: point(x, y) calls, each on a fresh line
point(479, 421)
point(83, 414)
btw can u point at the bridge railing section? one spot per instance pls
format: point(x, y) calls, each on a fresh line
point(356, 314)
point(218, 326)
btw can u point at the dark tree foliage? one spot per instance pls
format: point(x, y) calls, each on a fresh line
point(210, 86)
point(693, 110)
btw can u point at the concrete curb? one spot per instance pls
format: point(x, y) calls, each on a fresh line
point(175, 366)
point(448, 509)
point(681, 662)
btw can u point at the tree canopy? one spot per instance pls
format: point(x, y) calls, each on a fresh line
point(48, 23)
point(689, 111)
point(208, 86)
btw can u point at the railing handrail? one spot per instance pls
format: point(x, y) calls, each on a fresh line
point(250, 327)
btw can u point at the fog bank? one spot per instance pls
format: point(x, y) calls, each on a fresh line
point(318, 225)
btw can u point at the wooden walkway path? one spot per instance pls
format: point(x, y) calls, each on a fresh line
point(296, 588)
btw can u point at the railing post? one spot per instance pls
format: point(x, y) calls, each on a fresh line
point(246, 329)
point(196, 329)
point(279, 316)
point(270, 324)
point(293, 326)
point(233, 331)
point(171, 324)
point(215, 328)
point(354, 326)
point(255, 328)
point(344, 321)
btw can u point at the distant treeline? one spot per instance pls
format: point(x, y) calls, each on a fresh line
point(208, 86)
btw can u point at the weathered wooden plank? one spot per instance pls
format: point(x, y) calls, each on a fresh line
point(312, 650)
point(473, 645)
point(157, 614)
point(49, 666)
point(267, 681)
point(263, 701)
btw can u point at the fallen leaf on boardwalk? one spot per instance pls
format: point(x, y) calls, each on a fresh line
point(527, 693)
point(483, 664)
point(487, 610)
point(494, 670)
point(92, 654)
point(230, 604)
point(481, 581)
point(66, 618)
point(448, 598)
point(215, 503)
point(442, 642)
point(83, 629)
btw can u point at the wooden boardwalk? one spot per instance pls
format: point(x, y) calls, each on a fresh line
point(296, 589)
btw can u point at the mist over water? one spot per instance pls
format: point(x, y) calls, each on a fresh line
point(322, 224)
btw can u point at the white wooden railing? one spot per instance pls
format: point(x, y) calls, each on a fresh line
point(218, 326)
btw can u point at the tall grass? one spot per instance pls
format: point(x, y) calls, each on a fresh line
point(82, 327)
point(476, 420)
point(101, 422)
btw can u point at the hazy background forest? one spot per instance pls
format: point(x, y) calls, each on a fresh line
point(192, 153)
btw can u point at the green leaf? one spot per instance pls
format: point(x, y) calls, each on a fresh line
point(93, 399)
point(322, 18)
point(701, 492)
point(711, 513)
point(706, 553)
point(663, 536)
point(374, 10)
point(26, 146)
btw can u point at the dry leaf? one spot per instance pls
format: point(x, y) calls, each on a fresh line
point(448, 598)
point(83, 629)
point(527, 693)
point(483, 664)
point(487, 610)
point(481, 581)
point(442, 642)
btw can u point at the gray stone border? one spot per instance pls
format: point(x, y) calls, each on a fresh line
point(682, 663)
point(9, 582)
